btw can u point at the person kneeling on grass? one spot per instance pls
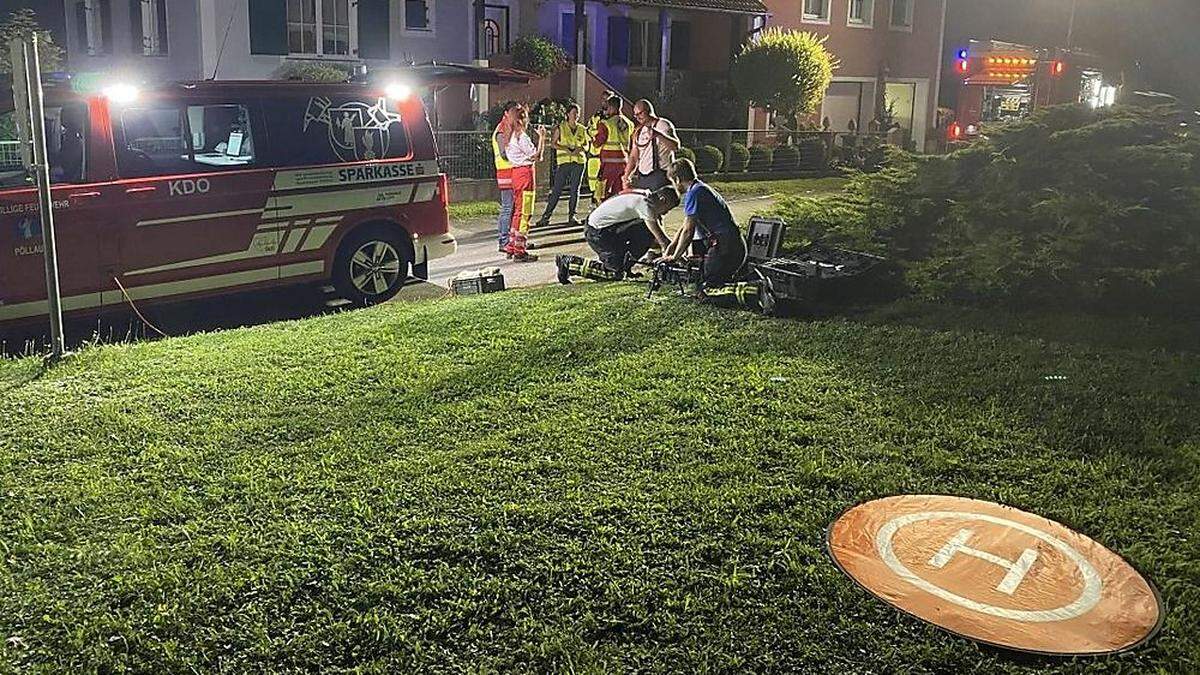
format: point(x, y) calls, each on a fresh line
point(620, 231)
point(708, 220)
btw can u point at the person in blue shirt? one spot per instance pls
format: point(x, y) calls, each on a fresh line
point(708, 220)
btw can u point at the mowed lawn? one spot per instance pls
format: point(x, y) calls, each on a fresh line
point(810, 187)
point(568, 479)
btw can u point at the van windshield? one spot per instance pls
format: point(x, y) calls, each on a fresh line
point(66, 132)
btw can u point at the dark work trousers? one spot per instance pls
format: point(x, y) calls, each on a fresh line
point(615, 243)
point(566, 177)
point(723, 260)
point(649, 181)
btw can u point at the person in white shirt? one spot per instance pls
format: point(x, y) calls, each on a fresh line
point(620, 231)
point(653, 151)
point(522, 154)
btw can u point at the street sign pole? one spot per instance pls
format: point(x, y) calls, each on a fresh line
point(27, 88)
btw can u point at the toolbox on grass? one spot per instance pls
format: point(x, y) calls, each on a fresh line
point(475, 282)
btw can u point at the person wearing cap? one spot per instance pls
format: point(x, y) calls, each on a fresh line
point(621, 230)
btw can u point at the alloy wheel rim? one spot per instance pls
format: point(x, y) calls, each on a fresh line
point(374, 268)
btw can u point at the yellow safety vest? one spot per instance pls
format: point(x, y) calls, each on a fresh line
point(579, 140)
point(501, 163)
point(620, 130)
point(503, 166)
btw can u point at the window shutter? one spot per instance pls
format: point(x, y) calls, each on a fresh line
point(162, 26)
point(618, 41)
point(567, 27)
point(374, 21)
point(268, 26)
point(106, 26)
point(681, 44)
point(136, 38)
point(81, 25)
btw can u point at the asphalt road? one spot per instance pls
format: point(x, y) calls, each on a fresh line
point(477, 246)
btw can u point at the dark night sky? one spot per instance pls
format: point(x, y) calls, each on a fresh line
point(1155, 42)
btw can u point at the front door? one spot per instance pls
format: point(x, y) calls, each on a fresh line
point(76, 207)
point(192, 220)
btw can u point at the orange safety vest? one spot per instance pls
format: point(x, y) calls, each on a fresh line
point(503, 166)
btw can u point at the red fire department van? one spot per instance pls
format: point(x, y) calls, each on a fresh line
point(206, 188)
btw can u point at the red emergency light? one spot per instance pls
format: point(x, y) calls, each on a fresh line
point(956, 131)
point(1058, 68)
point(964, 66)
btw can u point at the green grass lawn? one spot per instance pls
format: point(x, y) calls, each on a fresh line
point(730, 189)
point(571, 478)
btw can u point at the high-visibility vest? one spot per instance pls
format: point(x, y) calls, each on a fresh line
point(615, 134)
point(503, 166)
point(578, 139)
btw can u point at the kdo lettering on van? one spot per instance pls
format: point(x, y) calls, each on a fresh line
point(187, 186)
point(379, 172)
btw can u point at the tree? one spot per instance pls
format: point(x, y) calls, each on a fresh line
point(786, 71)
point(23, 23)
point(538, 55)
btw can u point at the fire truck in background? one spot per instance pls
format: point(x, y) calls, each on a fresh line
point(1002, 81)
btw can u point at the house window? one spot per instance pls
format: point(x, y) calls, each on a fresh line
point(148, 26)
point(633, 42)
point(902, 14)
point(862, 13)
point(418, 15)
point(495, 29)
point(321, 27)
point(93, 20)
point(645, 44)
point(816, 11)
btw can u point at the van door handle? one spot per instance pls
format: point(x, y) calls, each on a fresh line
point(81, 195)
point(144, 188)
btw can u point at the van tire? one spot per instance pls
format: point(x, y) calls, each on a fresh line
point(372, 264)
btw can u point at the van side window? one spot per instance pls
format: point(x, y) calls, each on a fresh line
point(173, 139)
point(66, 144)
point(317, 130)
point(221, 135)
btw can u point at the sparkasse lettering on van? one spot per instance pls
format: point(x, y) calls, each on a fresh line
point(380, 172)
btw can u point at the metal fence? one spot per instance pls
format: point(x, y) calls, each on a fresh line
point(726, 152)
point(10, 155)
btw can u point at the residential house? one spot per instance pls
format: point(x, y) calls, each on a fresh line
point(660, 49)
point(150, 40)
point(890, 53)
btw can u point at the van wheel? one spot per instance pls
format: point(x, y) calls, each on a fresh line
point(371, 266)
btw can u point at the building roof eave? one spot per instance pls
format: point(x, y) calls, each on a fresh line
point(748, 7)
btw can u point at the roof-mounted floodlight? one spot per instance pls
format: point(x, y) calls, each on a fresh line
point(398, 91)
point(121, 93)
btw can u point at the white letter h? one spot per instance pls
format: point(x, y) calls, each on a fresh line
point(1016, 569)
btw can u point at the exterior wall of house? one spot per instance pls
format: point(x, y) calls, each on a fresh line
point(711, 41)
point(879, 63)
point(181, 62)
point(197, 28)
